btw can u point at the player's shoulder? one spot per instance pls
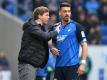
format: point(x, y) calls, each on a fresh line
point(76, 23)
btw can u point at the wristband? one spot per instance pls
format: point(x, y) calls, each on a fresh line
point(83, 61)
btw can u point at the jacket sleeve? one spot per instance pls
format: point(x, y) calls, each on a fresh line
point(38, 33)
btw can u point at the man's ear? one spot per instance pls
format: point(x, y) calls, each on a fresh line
point(39, 16)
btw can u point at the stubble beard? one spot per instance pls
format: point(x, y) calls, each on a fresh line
point(66, 20)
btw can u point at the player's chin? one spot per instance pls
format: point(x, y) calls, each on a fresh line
point(46, 22)
point(67, 19)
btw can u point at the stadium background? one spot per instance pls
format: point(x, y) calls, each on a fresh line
point(92, 14)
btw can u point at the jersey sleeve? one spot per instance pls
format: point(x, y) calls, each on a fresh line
point(80, 33)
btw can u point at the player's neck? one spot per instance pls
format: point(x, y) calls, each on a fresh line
point(65, 22)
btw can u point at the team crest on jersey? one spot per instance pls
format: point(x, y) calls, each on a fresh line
point(61, 37)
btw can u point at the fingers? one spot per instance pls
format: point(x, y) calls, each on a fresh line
point(80, 72)
point(81, 69)
point(55, 51)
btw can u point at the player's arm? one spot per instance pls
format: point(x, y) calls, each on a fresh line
point(83, 42)
point(83, 58)
point(84, 47)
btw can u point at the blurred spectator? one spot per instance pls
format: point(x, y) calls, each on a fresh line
point(79, 9)
point(94, 37)
point(9, 6)
point(4, 65)
point(28, 5)
point(23, 15)
point(37, 3)
point(103, 13)
point(80, 12)
point(76, 11)
point(94, 6)
point(68, 1)
point(24, 9)
point(77, 3)
point(103, 30)
point(82, 19)
point(53, 20)
point(53, 5)
point(5, 72)
point(103, 1)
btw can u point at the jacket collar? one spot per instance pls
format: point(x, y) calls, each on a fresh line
point(32, 21)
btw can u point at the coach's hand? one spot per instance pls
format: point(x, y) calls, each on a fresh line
point(54, 51)
point(81, 69)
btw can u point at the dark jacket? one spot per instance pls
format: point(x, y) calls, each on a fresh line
point(34, 46)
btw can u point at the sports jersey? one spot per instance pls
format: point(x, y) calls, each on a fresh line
point(68, 43)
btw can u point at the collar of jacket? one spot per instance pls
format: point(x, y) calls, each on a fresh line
point(32, 21)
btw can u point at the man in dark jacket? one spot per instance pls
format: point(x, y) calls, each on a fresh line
point(34, 46)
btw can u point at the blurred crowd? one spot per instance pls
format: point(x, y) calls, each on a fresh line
point(91, 14)
point(5, 71)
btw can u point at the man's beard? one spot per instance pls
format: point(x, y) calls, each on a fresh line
point(66, 18)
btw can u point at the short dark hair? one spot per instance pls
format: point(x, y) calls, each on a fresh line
point(64, 4)
point(39, 11)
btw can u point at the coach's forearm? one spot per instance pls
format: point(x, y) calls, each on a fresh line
point(84, 50)
point(51, 44)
